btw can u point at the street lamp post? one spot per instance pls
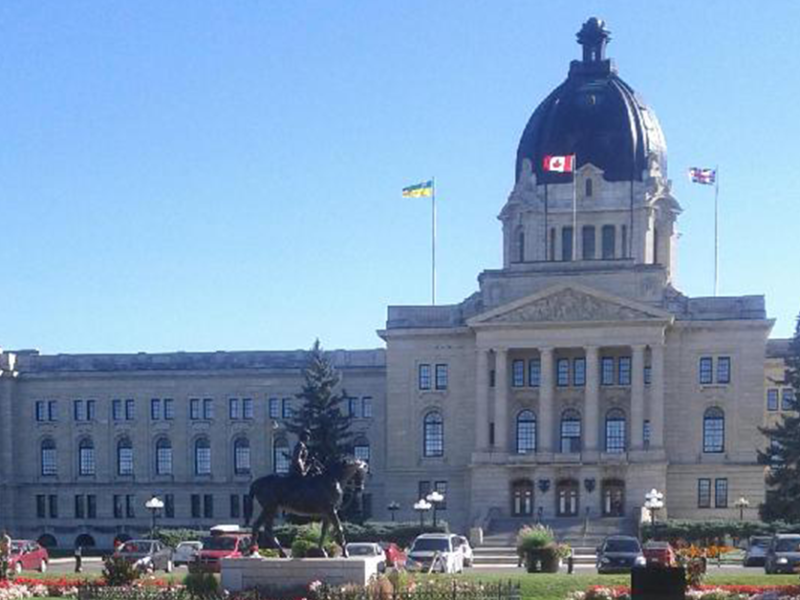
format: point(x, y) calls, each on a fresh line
point(421, 506)
point(741, 504)
point(393, 507)
point(435, 498)
point(654, 501)
point(154, 505)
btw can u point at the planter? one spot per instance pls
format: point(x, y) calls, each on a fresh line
point(543, 560)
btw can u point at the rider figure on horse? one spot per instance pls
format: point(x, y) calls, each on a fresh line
point(303, 462)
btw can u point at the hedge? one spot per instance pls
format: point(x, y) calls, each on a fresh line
point(708, 531)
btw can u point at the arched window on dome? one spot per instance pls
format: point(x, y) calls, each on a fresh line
point(714, 430)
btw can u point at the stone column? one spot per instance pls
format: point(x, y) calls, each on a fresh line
point(482, 400)
point(546, 392)
point(592, 397)
point(501, 399)
point(637, 398)
point(657, 396)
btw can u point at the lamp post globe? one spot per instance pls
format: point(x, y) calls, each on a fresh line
point(421, 506)
point(393, 507)
point(435, 498)
point(154, 505)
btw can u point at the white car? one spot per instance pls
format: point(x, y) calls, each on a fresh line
point(466, 549)
point(186, 552)
point(368, 551)
point(436, 552)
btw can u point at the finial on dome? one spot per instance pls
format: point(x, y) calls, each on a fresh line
point(594, 36)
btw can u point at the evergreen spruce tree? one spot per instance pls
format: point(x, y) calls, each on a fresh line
point(783, 454)
point(323, 412)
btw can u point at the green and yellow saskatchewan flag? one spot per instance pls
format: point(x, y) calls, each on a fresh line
point(420, 190)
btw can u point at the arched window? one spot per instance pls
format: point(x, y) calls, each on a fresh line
point(163, 457)
point(588, 187)
point(241, 456)
point(714, 430)
point(86, 463)
point(361, 449)
point(570, 431)
point(526, 432)
point(49, 457)
point(609, 235)
point(202, 457)
point(280, 456)
point(519, 244)
point(433, 435)
point(615, 431)
point(84, 540)
point(124, 457)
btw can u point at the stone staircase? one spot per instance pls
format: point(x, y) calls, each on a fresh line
point(498, 549)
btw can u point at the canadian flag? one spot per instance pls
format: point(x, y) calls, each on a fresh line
point(559, 164)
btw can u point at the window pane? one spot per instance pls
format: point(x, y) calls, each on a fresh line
point(787, 399)
point(202, 458)
point(724, 369)
point(367, 407)
point(241, 456)
point(287, 408)
point(361, 452)
point(116, 410)
point(441, 377)
point(247, 408)
point(562, 371)
point(526, 432)
point(208, 408)
point(274, 408)
point(772, 399)
point(169, 408)
point(155, 409)
point(130, 410)
point(607, 371)
point(424, 377)
point(579, 371)
point(433, 435)
point(615, 433)
point(518, 373)
point(49, 461)
point(125, 459)
point(164, 457)
point(194, 409)
point(534, 372)
point(721, 493)
point(280, 457)
point(624, 370)
point(714, 431)
point(706, 370)
point(703, 493)
point(233, 408)
point(570, 432)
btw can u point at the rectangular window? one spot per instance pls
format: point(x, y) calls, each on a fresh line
point(724, 369)
point(130, 409)
point(274, 408)
point(80, 513)
point(588, 242)
point(52, 410)
point(208, 506)
point(169, 409)
point(78, 410)
point(562, 372)
point(646, 434)
point(208, 408)
point(130, 506)
point(41, 410)
point(247, 408)
point(196, 506)
point(424, 377)
point(579, 371)
point(772, 399)
point(155, 409)
point(367, 407)
point(169, 506)
point(648, 374)
point(117, 506)
point(41, 506)
point(441, 487)
point(423, 489)
point(517, 373)
point(703, 493)
point(194, 409)
point(609, 241)
point(607, 370)
point(90, 409)
point(706, 370)
point(116, 410)
point(534, 372)
point(566, 243)
point(91, 506)
point(287, 408)
point(624, 370)
point(441, 377)
point(233, 409)
point(354, 407)
point(236, 506)
point(787, 399)
point(624, 241)
point(721, 493)
point(52, 502)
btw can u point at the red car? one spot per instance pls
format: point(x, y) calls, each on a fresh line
point(659, 554)
point(27, 555)
point(217, 547)
point(395, 557)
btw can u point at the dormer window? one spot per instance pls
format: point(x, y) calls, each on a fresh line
point(588, 185)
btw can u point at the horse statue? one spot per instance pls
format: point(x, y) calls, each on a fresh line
point(313, 495)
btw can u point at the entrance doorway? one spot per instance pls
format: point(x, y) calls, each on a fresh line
point(522, 498)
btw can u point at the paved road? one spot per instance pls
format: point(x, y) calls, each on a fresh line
point(91, 566)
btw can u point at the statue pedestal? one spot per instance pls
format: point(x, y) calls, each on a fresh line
point(244, 573)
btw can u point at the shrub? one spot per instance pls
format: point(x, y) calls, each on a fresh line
point(269, 553)
point(532, 538)
point(201, 585)
point(401, 534)
point(119, 572)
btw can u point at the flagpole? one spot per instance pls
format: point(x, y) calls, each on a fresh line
point(716, 230)
point(433, 241)
point(574, 207)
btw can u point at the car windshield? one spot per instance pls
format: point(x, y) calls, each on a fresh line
point(760, 542)
point(631, 546)
point(16, 547)
point(189, 545)
point(219, 543)
point(431, 545)
point(136, 548)
point(360, 550)
point(788, 545)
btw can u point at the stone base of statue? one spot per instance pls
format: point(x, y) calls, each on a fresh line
point(245, 573)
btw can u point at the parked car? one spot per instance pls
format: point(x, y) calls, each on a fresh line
point(756, 553)
point(217, 547)
point(147, 555)
point(27, 555)
point(466, 550)
point(186, 552)
point(619, 554)
point(368, 550)
point(438, 552)
point(783, 555)
point(395, 557)
point(659, 554)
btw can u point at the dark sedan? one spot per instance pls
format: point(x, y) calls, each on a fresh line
point(783, 555)
point(619, 554)
point(147, 555)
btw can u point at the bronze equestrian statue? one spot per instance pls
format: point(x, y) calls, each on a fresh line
point(308, 493)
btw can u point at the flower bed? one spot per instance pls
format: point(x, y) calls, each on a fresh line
point(24, 587)
point(702, 592)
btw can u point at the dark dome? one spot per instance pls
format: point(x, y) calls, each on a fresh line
point(596, 116)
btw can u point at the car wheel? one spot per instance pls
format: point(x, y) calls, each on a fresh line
point(169, 567)
point(43, 567)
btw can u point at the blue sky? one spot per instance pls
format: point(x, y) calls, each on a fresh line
point(226, 175)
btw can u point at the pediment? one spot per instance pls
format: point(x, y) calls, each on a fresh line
point(570, 304)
